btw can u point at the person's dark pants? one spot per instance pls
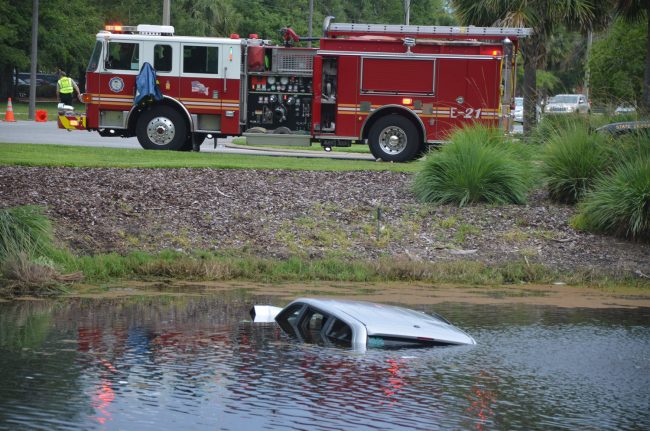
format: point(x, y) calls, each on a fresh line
point(66, 98)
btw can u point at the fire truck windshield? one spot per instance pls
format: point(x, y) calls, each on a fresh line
point(94, 58)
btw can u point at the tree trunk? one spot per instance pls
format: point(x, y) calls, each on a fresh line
point(530, 48)
point(645, 101)
point(6, 83)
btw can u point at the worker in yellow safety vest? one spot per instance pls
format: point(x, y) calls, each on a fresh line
point(65, 88)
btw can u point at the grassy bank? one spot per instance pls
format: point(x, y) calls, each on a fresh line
point(87, 157)
point(206, 266)
point(31, 264)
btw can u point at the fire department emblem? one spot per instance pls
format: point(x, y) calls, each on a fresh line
point(117, 84)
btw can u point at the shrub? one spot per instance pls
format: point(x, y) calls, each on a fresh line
point(26, 249)
point(572, 160)
point(632, 146)
point(620, 202)
point(24, 230)
point(552, 124)
point(478, 165)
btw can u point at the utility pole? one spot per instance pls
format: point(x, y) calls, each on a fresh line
point(166, 10)
point(34, 60)
point(407, 11)
point(590, 38)
point(311, 20)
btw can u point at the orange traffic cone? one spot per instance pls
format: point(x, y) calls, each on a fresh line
point(41, 116)
point(9, 113)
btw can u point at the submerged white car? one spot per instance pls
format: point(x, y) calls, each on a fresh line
point(361, 325)
point(568, 103)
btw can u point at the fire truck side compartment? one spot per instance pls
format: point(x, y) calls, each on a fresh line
point(280, 95)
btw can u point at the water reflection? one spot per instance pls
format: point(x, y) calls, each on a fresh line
point(193, 362)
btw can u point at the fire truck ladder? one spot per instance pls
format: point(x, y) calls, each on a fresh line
point(346, 29)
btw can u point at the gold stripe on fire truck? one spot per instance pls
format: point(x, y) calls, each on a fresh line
point(205, 105)
point(103, 102)
point(212, 108)
point(436, 112)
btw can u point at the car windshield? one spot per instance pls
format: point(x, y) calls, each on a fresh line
point(564, 99)
point(519, 101)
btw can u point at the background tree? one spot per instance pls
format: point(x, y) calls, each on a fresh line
point(639, 10)
point(67, 28)
point(617, 64)
point(62, 45)
point(544, 17)
point(14, 49)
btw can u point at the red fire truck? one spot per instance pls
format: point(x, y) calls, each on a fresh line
point(396, 88)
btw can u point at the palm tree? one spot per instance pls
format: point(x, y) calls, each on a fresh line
point(543, 17)
point(636, 10)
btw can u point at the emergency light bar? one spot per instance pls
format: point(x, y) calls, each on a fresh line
point(144, 29)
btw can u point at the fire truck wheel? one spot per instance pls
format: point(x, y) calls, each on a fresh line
point(394, 138)
point(161, 128)
point(199, 138)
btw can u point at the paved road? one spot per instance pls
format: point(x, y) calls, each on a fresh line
point(31, 132)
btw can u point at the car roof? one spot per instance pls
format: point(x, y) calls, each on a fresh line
point(388, 320)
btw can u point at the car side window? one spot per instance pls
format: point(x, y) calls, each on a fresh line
point(339, 332)
point(162, 58)
point(288, 318)
point(201, 59)
point(313, 321)
point(123, 56)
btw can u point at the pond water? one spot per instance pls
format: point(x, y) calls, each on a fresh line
point(197, 362)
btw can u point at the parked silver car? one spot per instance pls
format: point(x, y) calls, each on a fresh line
point(568, 103)
point(624, 109)
point(518, 113)
point(361, 325)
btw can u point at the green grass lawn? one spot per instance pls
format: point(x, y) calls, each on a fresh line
point(64, 155)
point(355, 148)
point(21, 109)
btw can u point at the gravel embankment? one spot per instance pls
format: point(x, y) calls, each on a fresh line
point(279, 213)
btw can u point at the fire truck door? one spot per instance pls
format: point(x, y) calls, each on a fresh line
point(165, 58)
point(202, 83)
point(120, 65)
point(467, 91)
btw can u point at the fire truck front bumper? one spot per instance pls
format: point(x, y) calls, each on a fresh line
point(70, 121)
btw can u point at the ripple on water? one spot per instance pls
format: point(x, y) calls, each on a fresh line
point(194, 364)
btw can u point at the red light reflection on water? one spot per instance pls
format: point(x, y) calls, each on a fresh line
point(395, 380)
point(102, 398)
point(482, 398)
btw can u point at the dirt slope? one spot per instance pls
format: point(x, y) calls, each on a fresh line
point(279, 213)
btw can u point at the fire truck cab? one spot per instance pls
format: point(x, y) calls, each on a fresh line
point(396, 88)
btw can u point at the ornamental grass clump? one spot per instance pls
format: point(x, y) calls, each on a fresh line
point(24, 230)
point(26, 239)
point(571, 162)
point(477, 165)
point(552, 124)
point(619, 203)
